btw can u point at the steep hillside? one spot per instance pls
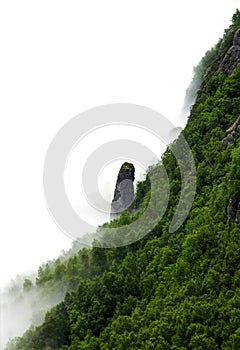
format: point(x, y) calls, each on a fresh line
point(166, 291)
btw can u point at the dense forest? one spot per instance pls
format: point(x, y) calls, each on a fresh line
point(166, 291)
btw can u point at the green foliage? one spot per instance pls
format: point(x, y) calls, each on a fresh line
point(177, 291)
point(236, 19)
point(27, 285)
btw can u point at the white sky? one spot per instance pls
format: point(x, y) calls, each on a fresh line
point(60, 58)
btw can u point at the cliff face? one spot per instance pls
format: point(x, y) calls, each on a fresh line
point(230, 51)
point(168, 291)
point(224, 57)
point(124, 190)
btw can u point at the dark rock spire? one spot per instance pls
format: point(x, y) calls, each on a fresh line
point(124, 190)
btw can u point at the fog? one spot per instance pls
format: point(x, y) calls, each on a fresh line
point(22, 307)
point(106, 52)
point(16, 311)
point(59, 60)
point(23, 304)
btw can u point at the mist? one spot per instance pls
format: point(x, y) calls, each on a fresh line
point(24, 304)
point(148, 64)
point(21, 308)
point(16, 311)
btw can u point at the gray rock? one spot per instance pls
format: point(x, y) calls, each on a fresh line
point(124, 190)
point(229, 140)
point(234, 134)
point(230, 60)
point(230, 210)
point(236, 39)
point(222, 48)
point(237, 213)
point(230, 50)
point(235, 125)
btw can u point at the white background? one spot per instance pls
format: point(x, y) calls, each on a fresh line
point(59, 58)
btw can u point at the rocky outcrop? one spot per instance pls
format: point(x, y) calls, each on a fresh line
point(234, 126)
point(124, 190)
point(229, 140)
point(233, 211)
point(237, 217)
point(230, 55)
point(230, 209)
point(232, 133)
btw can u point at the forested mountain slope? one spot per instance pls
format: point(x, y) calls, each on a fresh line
point(166, 291)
